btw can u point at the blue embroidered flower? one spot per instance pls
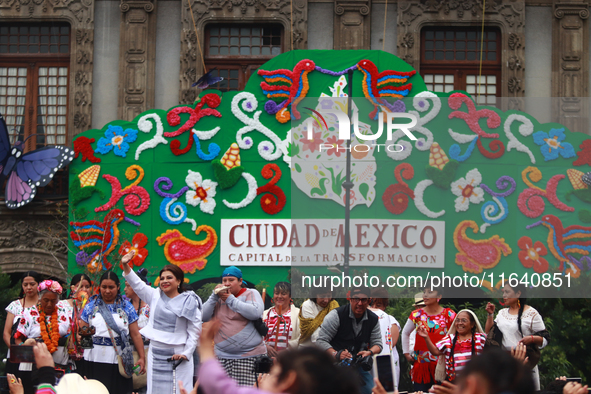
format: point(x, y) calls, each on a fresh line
point(116, 139)
point(551, 144)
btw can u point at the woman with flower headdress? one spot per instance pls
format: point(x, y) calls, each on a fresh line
point(49, 323)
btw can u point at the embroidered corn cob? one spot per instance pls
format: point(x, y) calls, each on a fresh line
point(575, 177)
point(437, 157)
point(231, 157)
point(89, 176)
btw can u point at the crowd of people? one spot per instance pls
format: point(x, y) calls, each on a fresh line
point(165, 340)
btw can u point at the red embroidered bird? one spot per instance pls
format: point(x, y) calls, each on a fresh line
point(189, 255)
point(379, 84)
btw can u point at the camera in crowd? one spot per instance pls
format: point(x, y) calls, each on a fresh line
point(263, 364)
point(365, 363)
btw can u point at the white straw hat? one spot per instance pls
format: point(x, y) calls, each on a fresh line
point(73, 383)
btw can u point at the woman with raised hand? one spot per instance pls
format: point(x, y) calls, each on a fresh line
point(26, 302)
point(114, 320)
point(464, 340)
point(519, 323)
point(173, 326)
point(47, 322)
point(437, 320)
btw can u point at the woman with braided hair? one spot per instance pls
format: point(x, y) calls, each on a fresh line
point(519, 323)
point(464, 340)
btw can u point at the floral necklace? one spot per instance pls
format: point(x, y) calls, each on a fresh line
point(53, 327)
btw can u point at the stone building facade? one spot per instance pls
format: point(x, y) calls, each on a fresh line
point(127, 56)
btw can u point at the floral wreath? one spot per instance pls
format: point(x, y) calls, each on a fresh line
point(50, 285)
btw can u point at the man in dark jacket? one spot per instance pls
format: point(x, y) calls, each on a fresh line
point(350, 330)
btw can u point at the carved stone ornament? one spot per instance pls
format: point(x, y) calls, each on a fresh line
point(507, 15)
point(352, 21)
point(38, 244)
point(234, 11)
point(570, 63)
point(80, 15)
point(137, 54)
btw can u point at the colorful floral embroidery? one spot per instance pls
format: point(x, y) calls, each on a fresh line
point(116, 140)
point(467, 190)
point(494, 212)
point(531, 254)
point(82, 145)
point(478, 255)
point(563, 242)
point(584, 155)
point(137, 199)
point(137, 245)
point(201, 193)
point(530, 201)
point(552, 145)
point(395, 197)
point(187, 254)
point(274, 201)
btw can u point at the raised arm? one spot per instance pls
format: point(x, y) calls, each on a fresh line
point(209, 307)
point(490, 309)
point(145, 292)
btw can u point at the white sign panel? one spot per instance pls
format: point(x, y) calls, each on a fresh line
point(309, 242)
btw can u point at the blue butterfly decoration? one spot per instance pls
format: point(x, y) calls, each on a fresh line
point(26, 172)
point(207, 80)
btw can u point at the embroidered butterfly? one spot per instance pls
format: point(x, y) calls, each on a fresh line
point(207, 80)
point(28, 171)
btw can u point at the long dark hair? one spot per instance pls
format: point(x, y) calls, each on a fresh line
point(453, 345)
point(33, 274)
point(110, 275)
point(178, 274)
point(77, 279)
point(522, 300)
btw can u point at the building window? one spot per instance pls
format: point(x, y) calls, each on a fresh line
point(237, 51)
point(450, 60)
point(34, 82)
point(34, 76)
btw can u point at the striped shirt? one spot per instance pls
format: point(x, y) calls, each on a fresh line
point(462, 352)
point(280, 329)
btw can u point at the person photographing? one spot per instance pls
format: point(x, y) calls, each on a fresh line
point(352, 332)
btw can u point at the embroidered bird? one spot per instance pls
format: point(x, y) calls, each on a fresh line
point(478, 255)
point(379, 84)
point(565, 241)
point(187, 254)
point(97, 238)
point(295, 89)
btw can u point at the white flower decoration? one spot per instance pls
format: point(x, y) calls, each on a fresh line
point(202, 192)
point(467, 190)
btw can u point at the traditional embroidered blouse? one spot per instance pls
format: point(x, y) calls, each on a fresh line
point(124, 315)
point(462, 352)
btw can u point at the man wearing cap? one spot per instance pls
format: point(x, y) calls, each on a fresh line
point(350, 330)
point(237, 343)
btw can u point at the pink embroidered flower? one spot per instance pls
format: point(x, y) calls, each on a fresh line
point(467, 190)
point(530, 254)
point(313, 144)
point(336, 145)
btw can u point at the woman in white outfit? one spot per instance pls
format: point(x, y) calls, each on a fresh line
point(519, 323)
point(173, 326)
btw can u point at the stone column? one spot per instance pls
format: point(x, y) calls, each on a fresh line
point(137, 55)
point(352, 21)
point(570, 63)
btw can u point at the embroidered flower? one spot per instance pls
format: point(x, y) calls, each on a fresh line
point(551, 144)
point(202, 193)
point(313, 144)
point(467, 190)
point(34, 313)
point(23, 321)
point(530, 254)
point(336, 145)
point(117, 140)
point(138, 243)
